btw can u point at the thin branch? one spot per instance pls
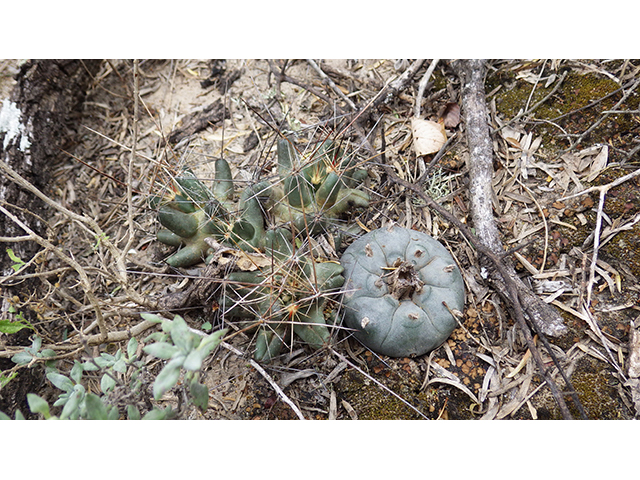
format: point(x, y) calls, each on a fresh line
point(422, 86)
point(326, 79)
point(132, 158)
point(396, 86)
point(286, 78)
point(84, 278)
point(602, 190)
point(88, 224)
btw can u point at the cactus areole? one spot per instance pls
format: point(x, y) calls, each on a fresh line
point(397, 284)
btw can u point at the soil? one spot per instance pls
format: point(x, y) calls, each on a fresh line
point(483, 370)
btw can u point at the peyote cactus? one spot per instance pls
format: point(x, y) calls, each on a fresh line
point(397, 281)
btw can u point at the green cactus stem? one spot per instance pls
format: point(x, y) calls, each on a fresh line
point(247, 232)
point(398, 281)
point(289, 295)
point(269, 342)
point(194, 213)
point(314, 190)
point(310, 325)
point(292, 291)
point(223, 184)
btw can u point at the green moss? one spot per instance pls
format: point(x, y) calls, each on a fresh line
point(440, 81)
point(593, 384)
point(371, 402)
point(577, 91)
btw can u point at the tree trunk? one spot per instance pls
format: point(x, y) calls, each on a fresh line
point(36, 122)
point(40, 118)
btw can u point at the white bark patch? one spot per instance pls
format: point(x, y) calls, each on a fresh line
point(12, 127)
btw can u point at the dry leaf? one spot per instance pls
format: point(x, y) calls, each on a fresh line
point(428, 136)
point(599, 163)
point(449, 115)
point(251, 261)
point(512, 136)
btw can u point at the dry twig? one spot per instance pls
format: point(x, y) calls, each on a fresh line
point(423, 86)
point(602, 190)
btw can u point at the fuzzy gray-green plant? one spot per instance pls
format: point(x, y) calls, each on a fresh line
point(184, 349)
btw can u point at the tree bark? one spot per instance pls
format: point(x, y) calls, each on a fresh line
point(36, 122)
point(39, 118)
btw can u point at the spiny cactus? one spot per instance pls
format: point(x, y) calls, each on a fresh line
point(290, 292)
point(289, 295)
point(311, 192)
point(193, 212)
point(315, 189)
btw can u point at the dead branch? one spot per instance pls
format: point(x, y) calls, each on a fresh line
point(84, 278)
point(634, 364)
point(394, 87)
point(89, 225)
point(331, 83)
point(381, 385)
point(210, 115)
point(603, 190)
point(604, 116)
point(132, 158)
point(536, 106)
point(471, 73)
point(422, 87)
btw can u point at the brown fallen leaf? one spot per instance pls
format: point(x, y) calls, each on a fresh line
point(449, 115)
point(251, 261)
point(428, 136)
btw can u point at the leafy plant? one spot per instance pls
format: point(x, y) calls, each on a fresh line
point(18, 263)
point(4, 380)
point(14, 326)
point(30, 354)
point(184, 348)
